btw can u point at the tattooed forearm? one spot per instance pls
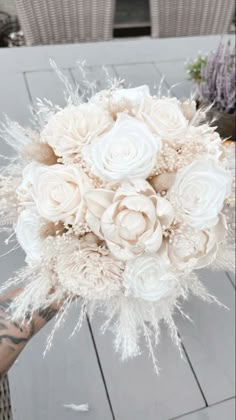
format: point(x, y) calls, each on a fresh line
point(15, 335)
point(47, 314)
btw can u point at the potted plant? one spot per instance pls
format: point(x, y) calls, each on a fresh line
point(214, 76)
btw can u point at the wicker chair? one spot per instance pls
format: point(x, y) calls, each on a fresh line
point(66, 21)
point(171, 18)
point(5, 402)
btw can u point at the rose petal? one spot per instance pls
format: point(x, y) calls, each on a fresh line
point(98, 200)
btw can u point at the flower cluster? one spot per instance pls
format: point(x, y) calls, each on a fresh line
point(131, 196)
point(215, 75)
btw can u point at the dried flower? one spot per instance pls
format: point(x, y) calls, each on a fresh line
point(218, 75)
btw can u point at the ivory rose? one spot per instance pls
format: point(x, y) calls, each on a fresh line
point(164, 117)
point(73, 127)
point(27, 230)
point(199, 192)
point(127, 151)
point(192, 249)
point(134, 96)
point(130, 220)
point(58, 191)
point(149, 277)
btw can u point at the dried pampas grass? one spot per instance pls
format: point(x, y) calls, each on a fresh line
point(39, 152)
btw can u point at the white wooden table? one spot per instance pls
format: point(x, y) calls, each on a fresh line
point(85, 369)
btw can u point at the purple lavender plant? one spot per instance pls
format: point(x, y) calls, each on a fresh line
point(218, 79)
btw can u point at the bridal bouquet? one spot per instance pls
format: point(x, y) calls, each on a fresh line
point(117, 199)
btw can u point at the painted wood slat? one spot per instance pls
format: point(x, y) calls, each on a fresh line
point(133, 387)
point(73, 374)
point(224, 410)
point(46, 84)
point(175, 77)
point(14, 102)
point(69, 374)
point(210, 339)
point(104, 53)
point(231, 276)
point(99, 76)
point(136, 392)
point(14, 98)
point(139, 74)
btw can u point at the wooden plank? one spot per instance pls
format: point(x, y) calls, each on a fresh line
point(175, 76)
point(210, 339)
point(14, 102)
point(97, 75)
point(136, 392)
point(9, 263)
point(139, 74)
point(104, 53)
point(69, 374)
point(231, 277)
point(46, 84)
point(224, 410)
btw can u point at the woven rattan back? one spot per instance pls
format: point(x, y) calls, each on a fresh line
point(171, 18)
point(66, 21)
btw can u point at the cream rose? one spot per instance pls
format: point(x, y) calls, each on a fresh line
point(134, 96)
point(24, 190)
point(27, 230)
point(199, 192)
point(127, 151)
point(130, 220)
point(58, 191)
point(149, 277)
point(164, 117)
point(73, 127)
point(192, 249)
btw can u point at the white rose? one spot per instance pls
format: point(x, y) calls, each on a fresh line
point(27, 230)
point(73, 127)
point(130, 220)
point(192, 249)
point(132, 95)
point(58, 191)
point(199, 192)
point(127, 151)
point(164, 117)
point(24, 190)
point(149, 278)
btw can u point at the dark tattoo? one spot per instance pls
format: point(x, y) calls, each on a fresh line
point(12, 339)
point(47, 314)
point(14, 335)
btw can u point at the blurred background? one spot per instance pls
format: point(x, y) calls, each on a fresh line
point(33, 22)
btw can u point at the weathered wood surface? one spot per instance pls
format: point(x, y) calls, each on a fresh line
point(85, 369)
point(222, 411)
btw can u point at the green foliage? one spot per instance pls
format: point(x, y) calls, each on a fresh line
point(194, 68)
